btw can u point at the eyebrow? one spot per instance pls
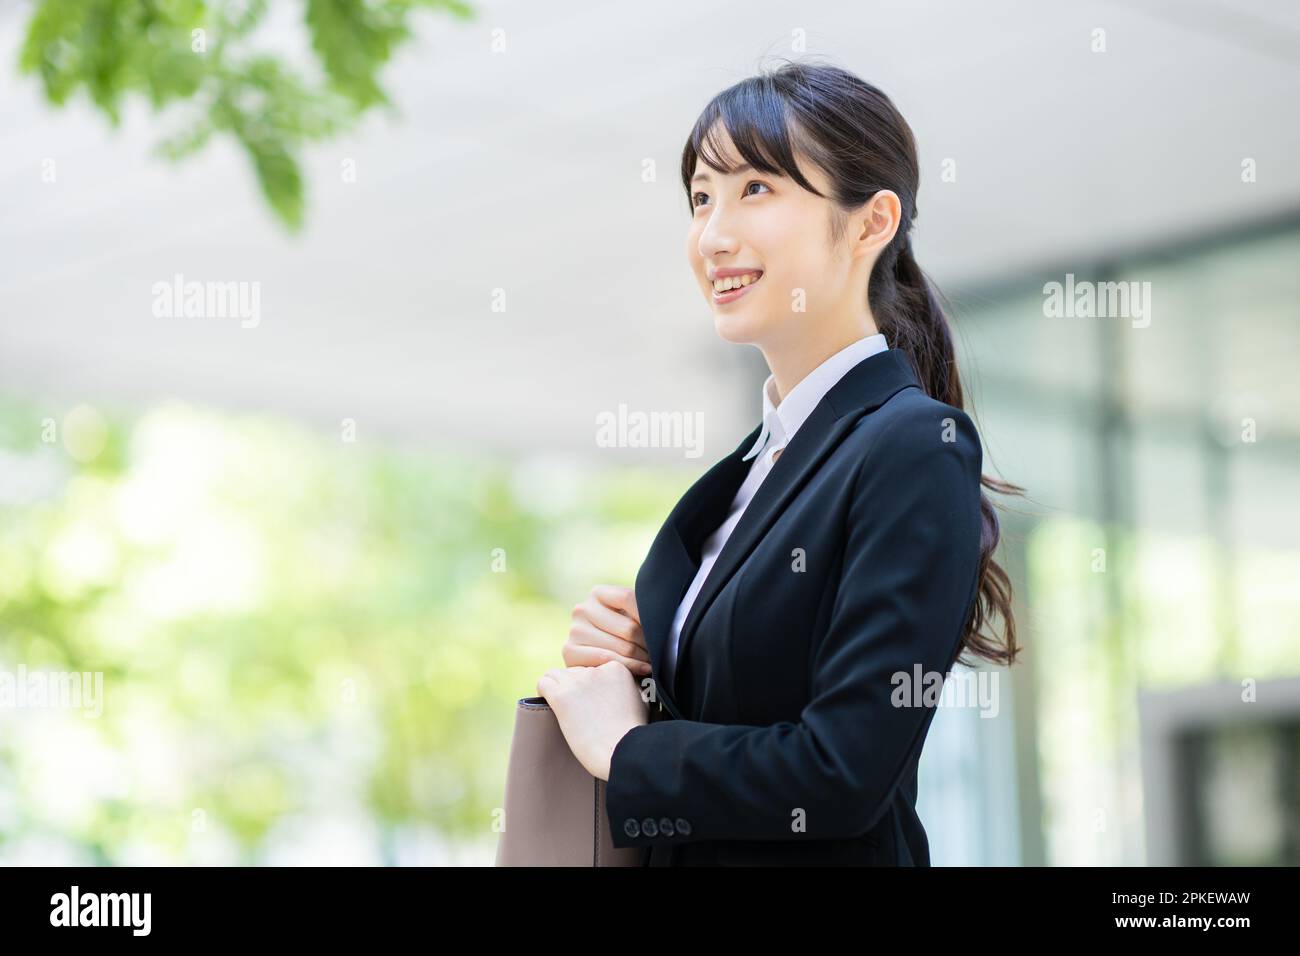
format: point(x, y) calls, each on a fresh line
point(744, 168)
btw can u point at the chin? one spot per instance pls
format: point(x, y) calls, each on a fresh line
point(741, 324)
point(738, 329)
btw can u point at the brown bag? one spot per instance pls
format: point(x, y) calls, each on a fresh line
point(554, 809)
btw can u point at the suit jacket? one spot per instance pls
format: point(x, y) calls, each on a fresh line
point(795, 722)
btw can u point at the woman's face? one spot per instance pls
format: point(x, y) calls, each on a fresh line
point(749, 221)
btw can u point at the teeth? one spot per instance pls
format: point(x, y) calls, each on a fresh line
point(735, 282)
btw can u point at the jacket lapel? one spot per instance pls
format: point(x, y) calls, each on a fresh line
point(865, 387)
point(674, 557)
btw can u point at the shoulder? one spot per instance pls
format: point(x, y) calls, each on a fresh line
point(912, 436)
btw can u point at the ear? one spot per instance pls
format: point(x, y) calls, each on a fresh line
point(876, 221)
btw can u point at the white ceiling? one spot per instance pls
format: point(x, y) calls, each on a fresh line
point(522, 171)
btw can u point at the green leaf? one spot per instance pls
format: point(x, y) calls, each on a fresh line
point(279, 176)
point(115, 50)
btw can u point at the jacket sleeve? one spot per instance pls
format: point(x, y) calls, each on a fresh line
point(908, 582)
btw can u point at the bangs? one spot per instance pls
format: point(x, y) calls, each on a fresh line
point(756, 117)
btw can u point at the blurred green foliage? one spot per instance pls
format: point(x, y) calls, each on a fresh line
point(204, 55)
point(292, 628)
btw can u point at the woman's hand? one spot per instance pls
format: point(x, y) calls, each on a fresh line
point(607, 627)
point(595, 706)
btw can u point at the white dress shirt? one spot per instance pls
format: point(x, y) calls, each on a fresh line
point(780, 422)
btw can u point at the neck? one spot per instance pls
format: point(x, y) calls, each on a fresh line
point(790, 362)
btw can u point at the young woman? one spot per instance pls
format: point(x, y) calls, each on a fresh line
point(798, 610)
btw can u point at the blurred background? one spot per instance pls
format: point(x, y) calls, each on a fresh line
point(319, 530)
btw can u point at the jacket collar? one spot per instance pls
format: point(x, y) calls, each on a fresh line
point(781, 420)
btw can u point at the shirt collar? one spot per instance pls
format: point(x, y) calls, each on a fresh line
point(781, 421)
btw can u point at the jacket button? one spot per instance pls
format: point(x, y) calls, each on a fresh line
point(665, 826)
point(683, 827)
point(649, 827)
point(631, 828)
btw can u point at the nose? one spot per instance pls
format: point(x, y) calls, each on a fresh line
point(717, 239)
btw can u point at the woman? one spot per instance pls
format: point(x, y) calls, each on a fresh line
point(842, 552)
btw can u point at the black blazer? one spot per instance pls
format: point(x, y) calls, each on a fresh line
point(856, 560)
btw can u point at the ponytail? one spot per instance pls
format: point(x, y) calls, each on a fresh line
point(909, 315)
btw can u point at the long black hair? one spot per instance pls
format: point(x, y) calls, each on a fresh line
point(854, 133)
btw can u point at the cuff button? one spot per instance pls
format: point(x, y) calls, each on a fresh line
point(683, 827)
point(631, 828)
point(649, 827)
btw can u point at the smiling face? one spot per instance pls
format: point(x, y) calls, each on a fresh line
point(780, 235)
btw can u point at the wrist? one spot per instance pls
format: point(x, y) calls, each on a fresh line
point(608, 762)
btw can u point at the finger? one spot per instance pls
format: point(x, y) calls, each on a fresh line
point(612, 622)
point(549, 682)
point(585, 656)
point(584, 631)
point(618, 598)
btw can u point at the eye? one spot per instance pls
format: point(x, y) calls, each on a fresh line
point(695, 203)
